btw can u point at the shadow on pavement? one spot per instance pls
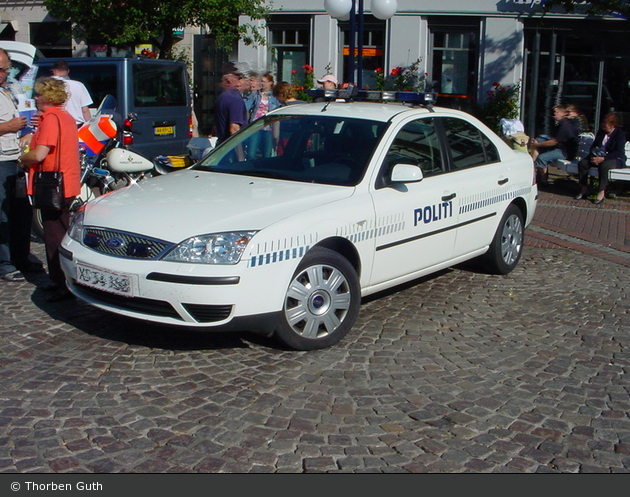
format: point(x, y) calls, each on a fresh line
point(109, 326)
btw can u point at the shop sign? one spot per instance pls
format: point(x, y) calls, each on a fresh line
point(367, 52)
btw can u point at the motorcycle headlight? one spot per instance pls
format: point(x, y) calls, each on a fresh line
point(217, 248)
point(75, 230)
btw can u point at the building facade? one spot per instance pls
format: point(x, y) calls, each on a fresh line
point(463, 47)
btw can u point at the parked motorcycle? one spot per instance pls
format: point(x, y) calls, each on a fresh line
point(106, 165)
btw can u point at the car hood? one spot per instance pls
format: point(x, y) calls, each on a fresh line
point(188, 203)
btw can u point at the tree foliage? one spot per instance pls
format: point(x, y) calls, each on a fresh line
point(595, 7)
point(122, 22)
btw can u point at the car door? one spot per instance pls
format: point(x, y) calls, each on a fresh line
point(414, 219)
point(484, 185)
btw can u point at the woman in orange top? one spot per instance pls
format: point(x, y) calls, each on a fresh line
point(55, 146)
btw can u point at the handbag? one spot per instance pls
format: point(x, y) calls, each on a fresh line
point(48, 191)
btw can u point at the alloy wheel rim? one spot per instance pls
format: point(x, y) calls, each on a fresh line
point(511, 239)
point(317, 301)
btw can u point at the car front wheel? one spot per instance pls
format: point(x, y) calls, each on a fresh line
point(321, 303)
point(507, 245)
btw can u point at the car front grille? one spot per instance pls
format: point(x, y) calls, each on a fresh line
point(125, 245)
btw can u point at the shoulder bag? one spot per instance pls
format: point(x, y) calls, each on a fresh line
point(48, 191)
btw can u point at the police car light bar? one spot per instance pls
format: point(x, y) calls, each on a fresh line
point(352, 93)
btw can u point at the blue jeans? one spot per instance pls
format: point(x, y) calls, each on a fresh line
point(15, 221)
point(548, 156)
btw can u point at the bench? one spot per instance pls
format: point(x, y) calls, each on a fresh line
point(584, 146)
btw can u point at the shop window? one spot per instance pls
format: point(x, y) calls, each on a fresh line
point(290, 40)
point(454, 58)
point(53, 39)
point(373, 47)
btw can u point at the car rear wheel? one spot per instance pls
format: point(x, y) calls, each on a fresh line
point(321, 303)
point(507, 245)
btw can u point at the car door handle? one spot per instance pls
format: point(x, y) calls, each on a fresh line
point(503, 181)
point(446, 198)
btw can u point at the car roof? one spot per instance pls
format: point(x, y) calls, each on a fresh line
point(360, 110)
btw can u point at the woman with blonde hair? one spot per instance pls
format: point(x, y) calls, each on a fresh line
point(55, 147)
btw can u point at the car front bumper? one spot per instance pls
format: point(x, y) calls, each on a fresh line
point(214, 297)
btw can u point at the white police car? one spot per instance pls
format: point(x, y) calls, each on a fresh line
point(285, 226)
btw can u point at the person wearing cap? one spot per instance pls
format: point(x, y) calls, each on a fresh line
point(328, 82)
point(79, 97)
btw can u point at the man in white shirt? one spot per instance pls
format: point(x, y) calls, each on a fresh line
point(79, 97)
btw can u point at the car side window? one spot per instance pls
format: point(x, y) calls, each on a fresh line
point(468, 146)
point(417, 143)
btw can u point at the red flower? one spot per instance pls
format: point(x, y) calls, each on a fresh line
point(496, 84)
point(396, 71)
point(293, 71)
point(307, 68)
point(378, 70)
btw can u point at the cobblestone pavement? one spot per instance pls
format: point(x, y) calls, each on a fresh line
point(458, 372)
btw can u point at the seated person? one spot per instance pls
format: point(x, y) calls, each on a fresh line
point(578, 119)
point(607, 152)
point(561, 145)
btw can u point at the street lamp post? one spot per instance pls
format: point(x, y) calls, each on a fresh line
point(341, 9)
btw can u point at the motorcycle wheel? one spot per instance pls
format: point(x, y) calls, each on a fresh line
point(37, 226)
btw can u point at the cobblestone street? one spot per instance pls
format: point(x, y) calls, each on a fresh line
point(458, 372)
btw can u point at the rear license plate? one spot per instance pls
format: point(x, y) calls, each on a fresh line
point(164, 131)
point(101, 279)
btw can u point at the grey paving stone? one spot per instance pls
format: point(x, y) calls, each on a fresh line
point(459, 372)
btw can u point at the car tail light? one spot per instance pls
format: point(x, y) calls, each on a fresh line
point(128, 132)
point(190, 127)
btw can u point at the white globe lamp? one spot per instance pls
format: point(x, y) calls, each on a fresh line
point(384, 9)
point(338, 8)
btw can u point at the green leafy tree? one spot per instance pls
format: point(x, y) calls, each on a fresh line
point(123, 22)
point(595, 7)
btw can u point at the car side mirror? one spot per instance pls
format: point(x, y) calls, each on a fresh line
point(406, 173)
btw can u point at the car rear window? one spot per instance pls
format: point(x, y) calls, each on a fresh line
point(157, 85)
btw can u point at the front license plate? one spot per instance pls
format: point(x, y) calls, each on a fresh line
point(164, 131)
point(101, 279)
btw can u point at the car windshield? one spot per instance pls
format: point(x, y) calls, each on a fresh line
point(315, 149)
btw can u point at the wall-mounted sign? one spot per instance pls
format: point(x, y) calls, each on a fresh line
point(98, 50)
point(367, 52)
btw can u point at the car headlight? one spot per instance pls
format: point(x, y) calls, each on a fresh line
point(75, 230)
point(217, 248)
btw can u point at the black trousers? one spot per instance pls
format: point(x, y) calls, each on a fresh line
point(585, 164)
point(55, 223)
